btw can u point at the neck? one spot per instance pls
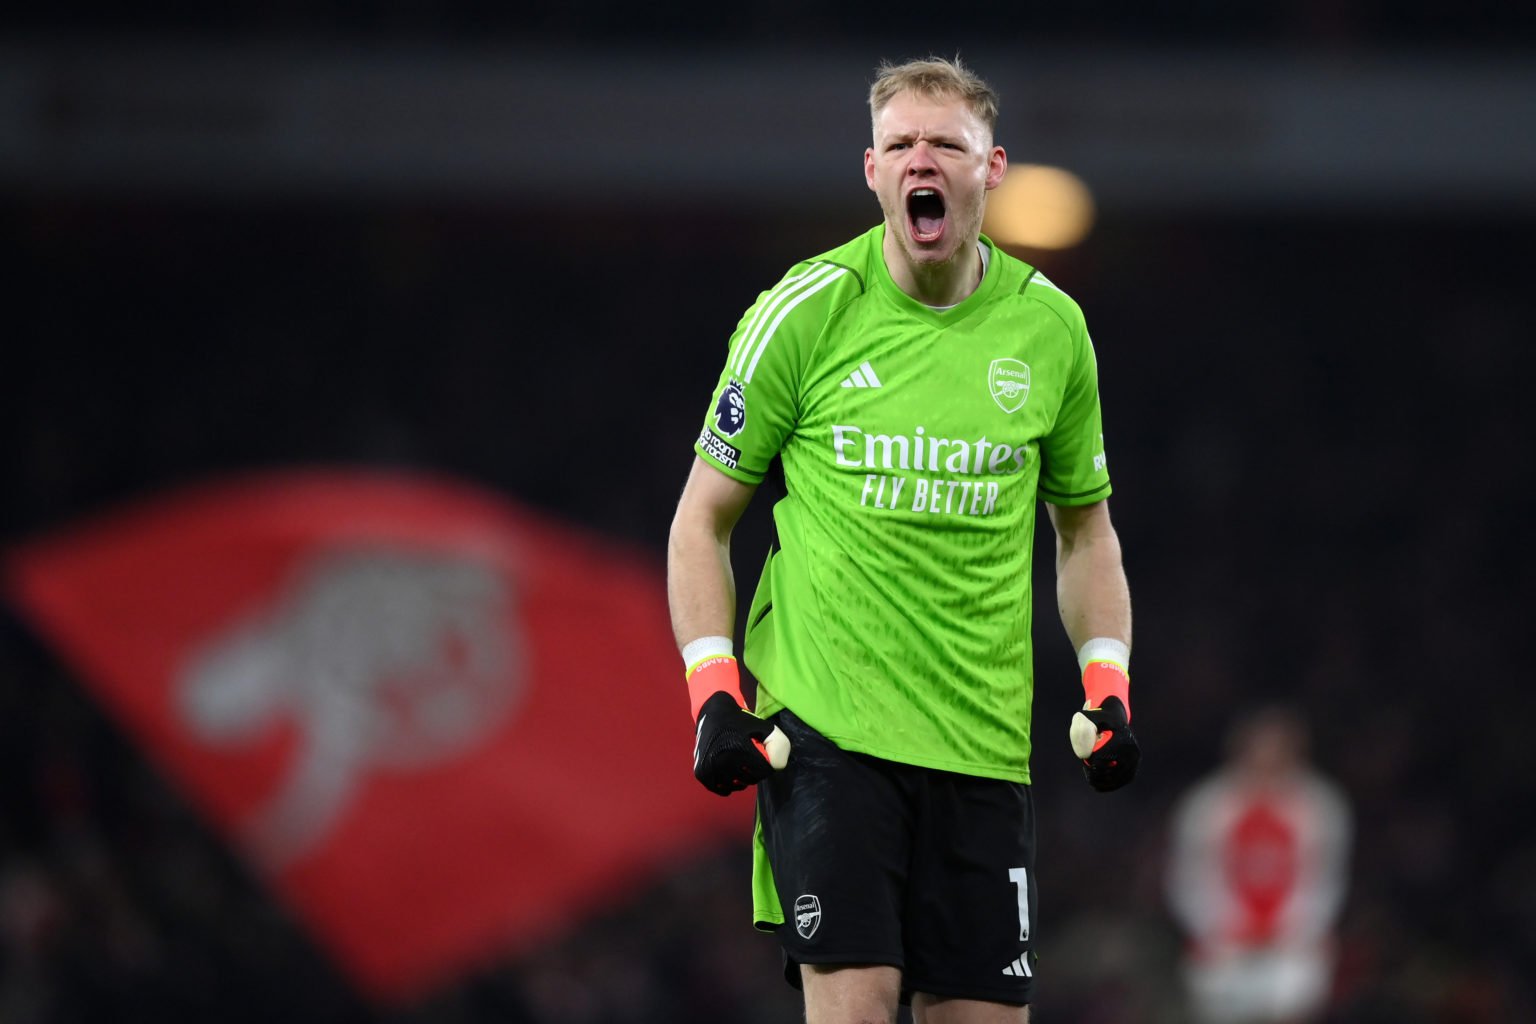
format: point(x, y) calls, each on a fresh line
point(934, 284)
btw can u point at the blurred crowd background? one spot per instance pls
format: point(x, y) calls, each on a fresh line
point(1314, 402)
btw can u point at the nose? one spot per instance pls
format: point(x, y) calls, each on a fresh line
point(922, 161)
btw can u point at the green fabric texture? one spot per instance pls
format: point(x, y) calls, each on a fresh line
point(894, 616)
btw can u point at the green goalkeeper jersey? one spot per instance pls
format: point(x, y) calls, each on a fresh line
point(893, 615)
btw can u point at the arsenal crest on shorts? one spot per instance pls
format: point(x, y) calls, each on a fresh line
point(1008, 381)
point(807, 915)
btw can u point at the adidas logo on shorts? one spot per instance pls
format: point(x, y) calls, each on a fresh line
point(1019, 968)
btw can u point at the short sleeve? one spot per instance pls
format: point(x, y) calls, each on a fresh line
point(1074, 469)
point(756, 400)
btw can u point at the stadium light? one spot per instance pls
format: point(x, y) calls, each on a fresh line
point(1039, 207)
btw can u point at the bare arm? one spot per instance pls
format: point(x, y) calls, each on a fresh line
point(1091, 591)
point(701, 588)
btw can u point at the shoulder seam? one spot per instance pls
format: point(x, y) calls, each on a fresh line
point(1035, 274)
point(856, 275)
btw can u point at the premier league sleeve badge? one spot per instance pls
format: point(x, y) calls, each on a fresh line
point(731, 410)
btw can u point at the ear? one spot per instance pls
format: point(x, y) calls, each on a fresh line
point(997, 167)
point(869, 169)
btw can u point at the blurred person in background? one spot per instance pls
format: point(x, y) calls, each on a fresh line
point(1256, 878)
point(921, 390)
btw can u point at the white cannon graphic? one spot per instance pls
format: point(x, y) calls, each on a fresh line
point(383, 659)
point(1008, 381)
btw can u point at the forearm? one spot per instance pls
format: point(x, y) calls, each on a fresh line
point(701, 588)
point(1095, 605)
point(733, 748)
point(1091, 590)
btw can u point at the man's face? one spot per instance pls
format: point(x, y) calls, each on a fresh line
point(931, 166)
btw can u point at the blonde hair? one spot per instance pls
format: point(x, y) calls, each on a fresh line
point(934, 78)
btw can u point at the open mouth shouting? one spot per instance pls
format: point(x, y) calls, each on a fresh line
point(925, 215)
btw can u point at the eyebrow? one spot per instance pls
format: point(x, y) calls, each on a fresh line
point(936, 137)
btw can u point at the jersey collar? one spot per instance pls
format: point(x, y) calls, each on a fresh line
point(939, 318)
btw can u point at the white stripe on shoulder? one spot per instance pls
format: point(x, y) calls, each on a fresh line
point(815, 282)
point(735, 358)
point(738, 358)
point(1042, 279)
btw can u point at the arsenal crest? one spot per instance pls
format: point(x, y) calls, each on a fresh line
point(1008, 381)
point(807, 915)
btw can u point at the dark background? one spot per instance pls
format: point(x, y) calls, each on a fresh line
point(1314, 401)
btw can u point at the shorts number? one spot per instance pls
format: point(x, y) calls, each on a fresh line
point(1020, 878)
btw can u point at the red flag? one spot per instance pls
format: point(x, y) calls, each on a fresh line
point(438, 724)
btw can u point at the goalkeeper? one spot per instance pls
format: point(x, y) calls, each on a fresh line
point(920, 390)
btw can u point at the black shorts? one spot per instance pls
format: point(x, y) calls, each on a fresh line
point(877, 862)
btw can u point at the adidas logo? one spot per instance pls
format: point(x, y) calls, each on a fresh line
point(863, 377)
point(1019, 968)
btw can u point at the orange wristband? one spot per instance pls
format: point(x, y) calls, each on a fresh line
point(1104, 679)
point(710, 676)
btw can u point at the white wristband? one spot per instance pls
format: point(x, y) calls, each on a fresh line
point(1104, 648)
point(695, 651)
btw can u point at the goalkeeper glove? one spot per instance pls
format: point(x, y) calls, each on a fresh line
point(1101, 732)
point(728, 751)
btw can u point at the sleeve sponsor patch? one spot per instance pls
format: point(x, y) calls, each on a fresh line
point(717, 449)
